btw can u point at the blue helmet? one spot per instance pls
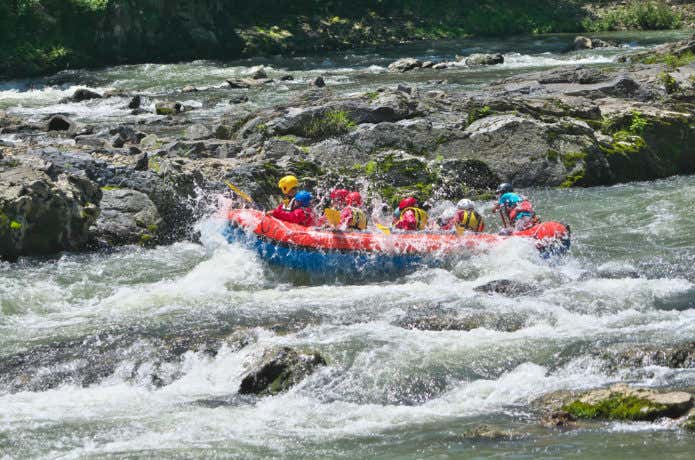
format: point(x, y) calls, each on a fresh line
point(303, 198)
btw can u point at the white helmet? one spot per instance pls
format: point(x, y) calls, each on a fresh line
point(465, 204)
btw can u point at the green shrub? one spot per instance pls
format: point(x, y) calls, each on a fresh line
point(638, 123)
point(670, 84)
point(636, 14)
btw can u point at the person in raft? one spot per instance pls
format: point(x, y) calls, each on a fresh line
point(288, 185)
point(338, 198)
point(465, 219)
point(409, 216)
point(516, 209)
point(301, 213)
point(353, 216)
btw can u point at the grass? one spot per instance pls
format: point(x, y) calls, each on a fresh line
point(332, 123)
point(671, 60)
point(478, 113)
point(670, 84)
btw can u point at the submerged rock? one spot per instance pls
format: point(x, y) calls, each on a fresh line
point(464, 322)
point(84, 95)
point(507, 287)
point(675, 357)
point(318, 82)
point(280, 370)
point(559, 419)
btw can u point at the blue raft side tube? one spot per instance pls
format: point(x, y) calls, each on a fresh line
point(327, 262)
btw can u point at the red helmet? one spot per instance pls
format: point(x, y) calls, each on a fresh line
point(353, 199)
point(339, 195)
point(409, 202)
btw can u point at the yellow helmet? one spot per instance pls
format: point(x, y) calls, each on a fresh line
point(287, 183)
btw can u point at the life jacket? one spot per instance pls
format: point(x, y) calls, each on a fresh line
point(288, 204)
point(420, 217)
point(469, 220)
point(358, 218)
point(523, 208)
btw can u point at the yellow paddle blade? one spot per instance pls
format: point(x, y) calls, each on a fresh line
point(332, 216)
point(384, 229)
point(236, 190)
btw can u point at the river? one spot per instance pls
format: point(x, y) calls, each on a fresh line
point(388, 391)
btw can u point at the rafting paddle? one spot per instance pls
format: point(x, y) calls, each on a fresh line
point(384, 229)
point(243, 195)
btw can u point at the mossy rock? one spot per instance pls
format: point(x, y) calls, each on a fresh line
point(623, 403)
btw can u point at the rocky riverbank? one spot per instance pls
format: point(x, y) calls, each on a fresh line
point(135, 182)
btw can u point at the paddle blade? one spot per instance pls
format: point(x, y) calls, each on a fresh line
point(236, 190)
point(332, 216)
point(384, 229)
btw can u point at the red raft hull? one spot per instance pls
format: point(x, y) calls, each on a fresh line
point(327, 250)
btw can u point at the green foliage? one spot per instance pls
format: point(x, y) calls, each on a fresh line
point(624, 143)
point(670, 84)
point(570, 159)
point(14, 225)
point(616, 407)
point(636, 14)
point(552, 155)
point(673, 61)
point(689, 423)
point(372, 95)
point(572, 180)
point(638, 123)
point(478, 113)
point(106, 188)
point(332, 123)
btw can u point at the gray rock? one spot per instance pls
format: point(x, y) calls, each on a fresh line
point(127, 217)
point(440, 66)
point(286, 78)
point(404, 65)
point(84, 95)
point(141, 162)
point(558, 419)
point(197, 132)
point(280, 370)
point(507, 288)
point(464, 322)
point(478, 59)
point(40, 214)
point(258, 73)
point(189, 89)
point(680, 356)
point(583, 43)
point(239, 99)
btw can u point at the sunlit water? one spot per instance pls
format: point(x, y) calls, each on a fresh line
point(387, 391)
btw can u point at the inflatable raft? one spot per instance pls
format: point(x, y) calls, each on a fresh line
point(330, 251)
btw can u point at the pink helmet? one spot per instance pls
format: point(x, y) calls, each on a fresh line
point(353, 199)
point(339, 195)
point(409, 202)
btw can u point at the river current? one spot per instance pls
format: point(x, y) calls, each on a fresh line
point(388, 391)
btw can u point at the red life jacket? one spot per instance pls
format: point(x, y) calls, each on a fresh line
point(524, 206)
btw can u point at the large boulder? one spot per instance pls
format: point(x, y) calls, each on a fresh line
point(60, 123)
point(127, 217)
point(168, 108)
point(405, 64)
point(526, 151)
point(43, 214)
point(280, 370)
point(81, 95)
point(583, 43)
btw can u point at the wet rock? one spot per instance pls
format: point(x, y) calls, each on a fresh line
point(141, 161)
point(318, 82)
point(558, 419)
point(135, 102)
point(621, 402)
point(91, 140)
point(40, 214)
point(464, 322)
point(238, 84)
point(223, 132)
point(675, 357)
point(286, 78)
point(405, 65)
point(507, 288)
point(440, 66)
point(189, 89)
point(239, 99)
point(197, 132)
point(404, 89)
point(60, 123)
point(479, 59)
point(280, 370)
point(168, 108)
point(582, 43)
point(84, 95)
point(689, 422)
point(427, 64)
point(125, 134)
point(258, 73)
point(127, 217)
point(150, 141)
